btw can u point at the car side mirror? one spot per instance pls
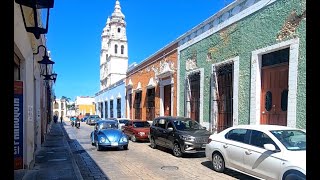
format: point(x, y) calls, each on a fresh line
point(170, 129)
point(270, 147)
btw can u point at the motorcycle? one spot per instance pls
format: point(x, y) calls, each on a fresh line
point(72, 123)
point(77, 124)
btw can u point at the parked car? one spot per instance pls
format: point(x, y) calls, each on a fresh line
point(84, 119)
point(106, 134)
point(261, 151)
point(92, 119)
point(137, 130)
point(181, 134)
point(122, 122)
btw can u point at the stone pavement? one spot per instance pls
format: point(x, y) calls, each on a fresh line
point(54, 160)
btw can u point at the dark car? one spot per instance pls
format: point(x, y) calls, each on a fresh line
point(181, 134)
point(137, 130)
point(106, 134)
point(92, 119)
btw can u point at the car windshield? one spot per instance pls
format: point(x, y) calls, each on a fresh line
point(186, 124)
point(94, 116)
point(293, 140)
point(141, 124)
point(108, 125)
point(123, 121)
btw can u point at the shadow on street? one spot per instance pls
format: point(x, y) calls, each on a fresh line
point(87, 166)
point(191, 155)
point(230, 172)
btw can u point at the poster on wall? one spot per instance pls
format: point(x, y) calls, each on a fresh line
point(18, 125)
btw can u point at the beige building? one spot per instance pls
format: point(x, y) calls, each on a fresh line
point(60, 107)
point(32, 94)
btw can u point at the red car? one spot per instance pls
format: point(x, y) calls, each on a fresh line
point(137, 130)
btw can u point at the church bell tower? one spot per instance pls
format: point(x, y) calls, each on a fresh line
point(114, 49)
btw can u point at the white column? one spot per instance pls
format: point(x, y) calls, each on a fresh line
point(161, 100)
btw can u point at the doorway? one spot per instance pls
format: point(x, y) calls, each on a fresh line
point(274, 87)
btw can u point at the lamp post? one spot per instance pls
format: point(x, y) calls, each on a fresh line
point(29, 9)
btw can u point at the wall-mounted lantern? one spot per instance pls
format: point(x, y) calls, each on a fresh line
point(29, 9)
point(46, 66)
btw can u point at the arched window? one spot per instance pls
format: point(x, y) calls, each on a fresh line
point(115, 49)
point(119, 30)
point(122, 49)
point(56, 105)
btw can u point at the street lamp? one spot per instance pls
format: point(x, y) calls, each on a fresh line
point(30, 10)
point(46, 66)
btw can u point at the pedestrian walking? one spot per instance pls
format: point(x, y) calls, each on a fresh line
point(55, 118)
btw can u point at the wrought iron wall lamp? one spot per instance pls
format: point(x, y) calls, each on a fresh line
point(30, 10)
point(46, 66)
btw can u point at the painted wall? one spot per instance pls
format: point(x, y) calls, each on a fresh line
point(115, 91)
point(153, 67)
point(263, 28)
point(34, 121)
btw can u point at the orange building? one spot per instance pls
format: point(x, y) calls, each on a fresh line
point(151, 88)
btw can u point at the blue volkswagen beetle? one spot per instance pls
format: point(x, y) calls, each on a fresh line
point(106, 134)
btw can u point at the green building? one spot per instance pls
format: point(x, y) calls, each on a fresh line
point(246, 64)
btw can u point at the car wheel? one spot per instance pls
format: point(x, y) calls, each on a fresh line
point(98, 147)
point(153, 143)
point(177, 150)
point(294, 175)
point(133, 138)
point(218, 162)
point(93, 143)
point(125, 147)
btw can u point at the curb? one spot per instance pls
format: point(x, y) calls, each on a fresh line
point(74, 164)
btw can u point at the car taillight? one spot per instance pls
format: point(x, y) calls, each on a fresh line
point(209, 140)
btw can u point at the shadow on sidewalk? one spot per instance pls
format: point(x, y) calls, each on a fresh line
point(87, 166)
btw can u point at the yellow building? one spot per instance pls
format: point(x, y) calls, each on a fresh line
point(85, 105)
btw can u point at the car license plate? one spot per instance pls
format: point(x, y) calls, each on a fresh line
point(114, 143)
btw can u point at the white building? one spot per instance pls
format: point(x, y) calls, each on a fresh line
point(110, 100)
point(60, 107)
point(114, 49)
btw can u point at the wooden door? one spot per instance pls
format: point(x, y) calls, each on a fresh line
point(167, 100)
point(195, 97)
point(274, 94)
point(225, 96)
point(130, 106)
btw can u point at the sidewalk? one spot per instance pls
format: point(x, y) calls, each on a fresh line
point(54, 160)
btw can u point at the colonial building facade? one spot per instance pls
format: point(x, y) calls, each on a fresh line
point(60, 108)
point(246, 64)
point(151, 87)
point(110, 100)
point(85, 105)
point(32, 94)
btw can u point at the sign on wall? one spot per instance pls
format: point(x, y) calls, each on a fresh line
point(18, 125)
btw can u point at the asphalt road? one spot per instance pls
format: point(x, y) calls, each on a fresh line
point(139, 162)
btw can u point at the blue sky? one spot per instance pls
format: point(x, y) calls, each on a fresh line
point(75, 27)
